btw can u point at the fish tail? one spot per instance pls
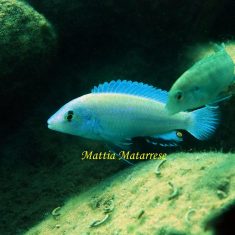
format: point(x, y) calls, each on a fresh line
point(204, 122)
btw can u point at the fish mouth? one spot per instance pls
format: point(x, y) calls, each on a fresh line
point(49, 123)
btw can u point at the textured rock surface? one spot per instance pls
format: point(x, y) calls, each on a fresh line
point(28, 44)
point(27, 39)
point(189, 191)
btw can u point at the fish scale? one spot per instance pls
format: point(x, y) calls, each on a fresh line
point(133, 115)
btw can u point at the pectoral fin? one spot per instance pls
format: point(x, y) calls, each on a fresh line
point(123, 143)
point(114, 148)
point(222, 97)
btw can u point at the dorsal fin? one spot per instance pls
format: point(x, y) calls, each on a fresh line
point(132, 88)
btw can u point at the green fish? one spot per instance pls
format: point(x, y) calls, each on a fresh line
point(203, 84)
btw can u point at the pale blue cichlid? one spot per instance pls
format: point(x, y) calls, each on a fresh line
point(118, 111)
point(208, 81)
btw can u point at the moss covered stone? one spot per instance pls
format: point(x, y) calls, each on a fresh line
point(194, 176)
point(27, 39)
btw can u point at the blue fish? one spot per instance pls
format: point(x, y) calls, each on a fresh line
point(118, 111)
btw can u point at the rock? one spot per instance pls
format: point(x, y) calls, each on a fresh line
point(27, 39)
point(194, 212)
point(28, 44)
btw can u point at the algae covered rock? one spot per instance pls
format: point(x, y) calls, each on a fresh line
point(177, 196)
point(27, 39)
point(28, 45)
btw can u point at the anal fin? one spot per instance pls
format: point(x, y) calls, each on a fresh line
point(169, 139)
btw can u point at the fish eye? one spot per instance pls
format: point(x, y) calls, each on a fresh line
point(179, 95)
point(69, 115)
point(196, 88)
point(179, 134)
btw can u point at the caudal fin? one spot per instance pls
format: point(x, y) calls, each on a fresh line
point(204, 122)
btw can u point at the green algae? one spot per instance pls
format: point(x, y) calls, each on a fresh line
point(27, 39)
point(161, 216)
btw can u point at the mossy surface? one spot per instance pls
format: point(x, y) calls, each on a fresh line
point(27, 39)
point(143, 202)
point(28, 45)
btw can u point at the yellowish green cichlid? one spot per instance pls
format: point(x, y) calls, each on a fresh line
point(118, 111)
point(204, 83)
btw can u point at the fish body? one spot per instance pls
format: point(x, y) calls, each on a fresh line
point(127, 115)
point(118, 111)
point(203, 83)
